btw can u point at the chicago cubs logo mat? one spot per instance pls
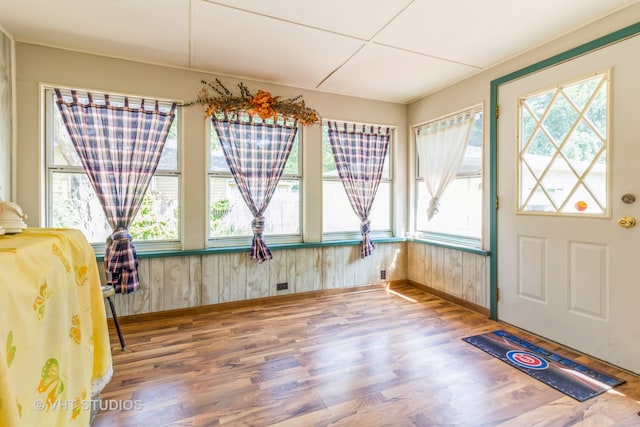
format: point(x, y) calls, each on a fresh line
point(527, 360)
point(565, 375)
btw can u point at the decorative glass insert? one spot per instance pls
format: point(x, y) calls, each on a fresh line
point(562, 156)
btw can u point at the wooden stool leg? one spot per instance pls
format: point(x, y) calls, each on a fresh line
point(115, 320)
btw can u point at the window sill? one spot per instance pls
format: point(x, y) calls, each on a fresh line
point(247, 248)
point(450, 245)
point(282, 246)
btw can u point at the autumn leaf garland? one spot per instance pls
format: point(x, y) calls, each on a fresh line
point(262, 104)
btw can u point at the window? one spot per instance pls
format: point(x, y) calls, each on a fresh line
point(459, 215)
point(71, 201)
point(563, 149)
point(230, 218)
point(339, 221)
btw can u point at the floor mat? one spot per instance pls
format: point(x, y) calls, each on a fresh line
point(565, 375)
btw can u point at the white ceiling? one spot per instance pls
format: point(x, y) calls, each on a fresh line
point(390, 50)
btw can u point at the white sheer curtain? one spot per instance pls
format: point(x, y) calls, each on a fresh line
point(441, 146)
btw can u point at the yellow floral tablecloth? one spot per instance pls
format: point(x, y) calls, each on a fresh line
point(54, 339)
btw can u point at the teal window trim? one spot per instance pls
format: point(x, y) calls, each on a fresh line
point(461, 246)
point(276, 247)
point(601, 42)
point(247, 249)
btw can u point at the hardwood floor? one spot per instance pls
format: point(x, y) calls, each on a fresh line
point(366, 358)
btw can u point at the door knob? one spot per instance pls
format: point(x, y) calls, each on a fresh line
point(627, 222)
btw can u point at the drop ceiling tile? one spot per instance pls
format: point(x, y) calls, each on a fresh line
point(235, 43)
point(126, 29)
point(299, 43)
point(482, 33)
point(383, 73)
point(356, 18)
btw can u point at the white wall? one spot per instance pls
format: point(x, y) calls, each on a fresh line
point(461, 275)
point(7, 114)
point(38, 65)
point(477, 89)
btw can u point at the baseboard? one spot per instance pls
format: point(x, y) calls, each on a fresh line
point(212, 308)
point(445, 296)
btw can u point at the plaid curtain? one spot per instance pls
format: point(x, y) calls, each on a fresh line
point(359, 154)
point(256, 154)
point(119, 147)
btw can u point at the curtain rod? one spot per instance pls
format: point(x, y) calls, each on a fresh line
point(472, 109)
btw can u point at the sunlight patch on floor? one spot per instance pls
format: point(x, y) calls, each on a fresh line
point(391, 291)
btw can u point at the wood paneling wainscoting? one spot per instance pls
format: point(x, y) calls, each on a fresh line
point(169, 283)
point(450, 272)
point(368, 357)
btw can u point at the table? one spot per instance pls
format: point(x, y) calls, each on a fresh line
point(55, 354)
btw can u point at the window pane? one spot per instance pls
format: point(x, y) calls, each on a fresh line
point(563, 149)
point(75, 205)
point(472, 162)
point(63, 153)
point(329, 164)
point(169, 157)
point(292, 167)
point(158, 216)
point(72, 202)
point(459, 212)
point(338, 215)
point(229, 215)
point(217, 162)
point(460, 207)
